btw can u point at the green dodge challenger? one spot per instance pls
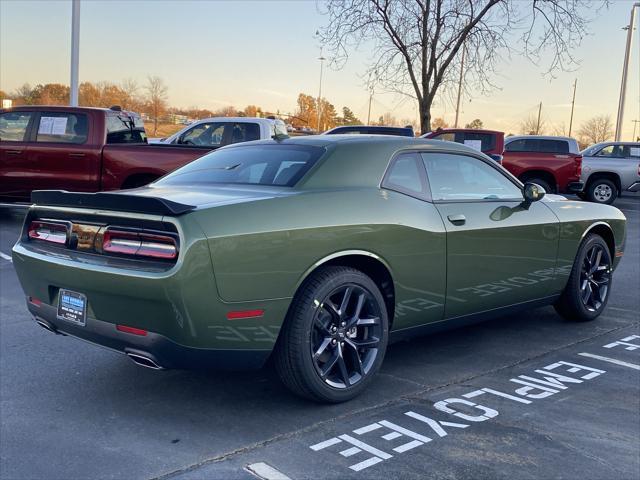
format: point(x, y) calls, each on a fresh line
point(314, 252)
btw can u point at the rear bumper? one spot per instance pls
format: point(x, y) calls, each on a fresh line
point(634, 187)
point(574, 187)
point(162, 351)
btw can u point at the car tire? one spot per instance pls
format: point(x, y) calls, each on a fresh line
point(543, 183)
point(602, 190)
point(587, 291)
point(329, 352)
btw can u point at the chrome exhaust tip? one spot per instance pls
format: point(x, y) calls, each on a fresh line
point(144, 361)
point(46, 325)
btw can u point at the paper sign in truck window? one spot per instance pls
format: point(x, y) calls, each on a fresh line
point(52, 126)
point(635, 151)
point(475, 144)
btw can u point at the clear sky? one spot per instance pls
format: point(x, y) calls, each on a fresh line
point(217, 53)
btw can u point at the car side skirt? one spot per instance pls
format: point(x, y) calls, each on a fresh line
point(465, 320)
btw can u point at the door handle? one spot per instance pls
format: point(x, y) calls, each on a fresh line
point(457, 219)
point(14, 152)
point(78, 155)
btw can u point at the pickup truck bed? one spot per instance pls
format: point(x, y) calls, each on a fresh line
point(80, 149)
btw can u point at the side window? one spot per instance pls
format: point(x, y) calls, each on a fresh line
point(614, 151)
point(515, 146)
point(479, 141)
point(449, 137)
point(634, 151)
point(13, 126)
point(459, 177)
point(244, 132)
point(553, 146)
point(405, 176)
point(204, 134)
point(60, 127)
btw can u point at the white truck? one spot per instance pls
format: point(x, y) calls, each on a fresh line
point(221, 131)
point(610, 168)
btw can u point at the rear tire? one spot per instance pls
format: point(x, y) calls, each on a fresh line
point(602, 190)
point(587, 291)
point(334, 337)
point(543, 183)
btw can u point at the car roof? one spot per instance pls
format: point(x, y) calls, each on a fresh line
point(391, 141)
point(539, 137)
point(237, 119)
point(465, 130)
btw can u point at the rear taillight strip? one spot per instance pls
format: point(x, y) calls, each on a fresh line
point(139, 244)
point(48, 232)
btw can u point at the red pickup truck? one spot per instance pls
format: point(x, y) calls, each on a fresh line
point(80, 149)
point(552, 162)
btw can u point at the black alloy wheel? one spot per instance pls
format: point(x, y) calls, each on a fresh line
point(595, 275)
point(587, 291)
point(335, 336)
point(346, 335)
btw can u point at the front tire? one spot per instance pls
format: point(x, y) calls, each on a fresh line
point(587, 291)
point(334, 337)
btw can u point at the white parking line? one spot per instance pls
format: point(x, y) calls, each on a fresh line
point(266, 471)
point(6, 257)
point(611, 360)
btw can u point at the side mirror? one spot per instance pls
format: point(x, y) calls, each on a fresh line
point(532, 192)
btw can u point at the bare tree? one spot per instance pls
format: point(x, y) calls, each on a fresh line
point(530, 126)
point(157, 99)
point(419, 43)
point(596, 129)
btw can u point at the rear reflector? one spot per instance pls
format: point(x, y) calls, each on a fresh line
point(48, 232)
point(139, 244)
point(35, 301)
point(244, 314)
point(132, 330)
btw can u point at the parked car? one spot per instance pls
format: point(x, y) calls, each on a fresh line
point(371, 130)
point(610, 168)
point(81, 149)
point(316, 251)
point(554, 163)
point(221, 131)
point(489, 142)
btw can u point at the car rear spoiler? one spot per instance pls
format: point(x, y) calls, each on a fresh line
point(110, 201)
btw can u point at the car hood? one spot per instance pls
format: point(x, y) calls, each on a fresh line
point(209, 196)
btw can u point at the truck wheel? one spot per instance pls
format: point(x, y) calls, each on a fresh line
point(543, 183)
point(334, 337)
point(587, 291)
point(602, 190)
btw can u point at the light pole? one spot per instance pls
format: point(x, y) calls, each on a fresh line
point(625, 68)
point(75, 50)
point(322, 59)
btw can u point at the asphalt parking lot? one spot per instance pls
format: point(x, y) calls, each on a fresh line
point(443, 406)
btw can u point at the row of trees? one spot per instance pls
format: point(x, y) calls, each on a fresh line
point(151, 99)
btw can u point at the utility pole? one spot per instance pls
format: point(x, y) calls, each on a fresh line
point(460, 86)
point(322, 59)
point(573, 103)
point(625, 68)
point(369, 111)
point(75, 51)
point(538, 124)
point(635, 122)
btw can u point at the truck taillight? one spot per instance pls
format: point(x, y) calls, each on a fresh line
point(48, 232)
point(140, 244)
point(578, 160)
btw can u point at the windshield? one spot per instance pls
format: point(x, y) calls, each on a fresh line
point(266, 164)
